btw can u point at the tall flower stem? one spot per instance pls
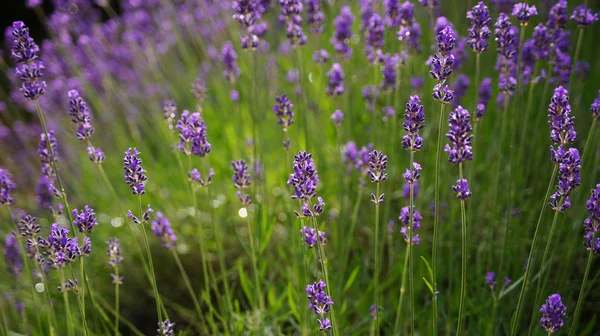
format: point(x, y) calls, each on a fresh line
point(576, 57)
point(305, 104)
point(46, 291)
point(251, 239)
point(376, 275)
point(151, 264)
point(463, 278)
point(65, 296)
point(541, 282)
point(117, 304)
point(188, 284)
point(573, 329)
point(475, 128)
point(517, 315)
point(353, 221)
point(410, 250)
point(588, 141)
point(436, 217)
point(402, 291)
point(530, 97)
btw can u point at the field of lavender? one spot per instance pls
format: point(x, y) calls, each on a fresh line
point(300, 167)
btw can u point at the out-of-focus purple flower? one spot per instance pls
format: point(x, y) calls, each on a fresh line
point(370, 94)
point(337, 117)
point(199, 90)
point(343, 32)
point(309, 236)
point(388, 112)
point(96, 155)
point(135, 175)
point(479, 32)
point(582, 70)
point(78, 110)
point(490, 279)
point(366, 11)
point(283, 111)
point(416, 83)
point(390, 71)
point(542, 42)
point(406, 189)
point(375, 34)
point(562, 67)
point(373, 311)
point(7, 185)
point(553, 312)
point(241, 180)
point(292, 76)
point(47, 151)
point(320, 57)
point(414, 121)
point(416, 224)
point(113, 252)
point(591, 225)
point(229, 59)
point(194, 176)
point(30, 69)
point(169, 112)
point(562, 130)
point(33, 3)
point(335, 86)
point(166, 328)
point(430, 4)
point(192, 134)
point(314, 16)
point(461, 85)
point(485, 93)
point(12, 255)
point(393, 17)
point(45, 192)
point(162, 229)
point(462, 189)
point(234, 95)
point(245, 12)
point(523, 12)
point(557, 17)
point(507, 281)
point(583, 16)
point(85, 221)
point(595, 107)
point(412, 175)
point(410, 34)
point(320, 303)
point(460, 148)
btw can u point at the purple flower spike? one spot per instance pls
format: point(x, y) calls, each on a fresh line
point(114, 252)
point(446, 40)
point(309, 236)
point(430, 4)
point(320, 57)
point(460, 148)
point(337, 117)
point(462, 189)
point(85, 221)
point(283, 111)
point(305, 177)
point(162, 229)
point(166, 328)
point(591, 225)
point(560, 119)
point(375, 34)
point(194, 176)
point(78, 110)
point(193, 137)
point(12, 255)
point(523, 12)
point(335, 87)
point(47, 155)
point(96, 155)
point(404, 218)
point(479, 32)
point(583, 16)
point(415, 121)
point(314, 16)
point(595, 107)
point(319, 302)
point(553, 312)
point(485, 93)
point(542, 42)
point(569, 164)
point(490, 279)
point(6, 187)
point(390, 71)
point(30, 69)
point(442, 63)
point(343, 32)
point(443, 94)
point(377, 166)
point(229, 58)
point(134, 173)
point(241, 176)
point(557, 17)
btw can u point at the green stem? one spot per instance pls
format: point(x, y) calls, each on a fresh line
point(66, 301)
point(573, 329)
point(463, 278)
point(188, 284)
point(436, 217)
point(353, 221)
point(411, 293)
point(46, 291)
point(515, 324)
point(576, 57)
point(253, 258)
point(588, 141)
point(117, 301)
point(376, 275)
point(305, 105)
point(402, 290)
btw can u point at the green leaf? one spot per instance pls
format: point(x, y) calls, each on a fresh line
point(245, 282)
point(266, 238)
point(351, 279)
point(428, 266)
point(429, 286)
point(292, 300)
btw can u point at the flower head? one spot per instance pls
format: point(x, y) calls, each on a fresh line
point(309, 236)
point(583, 16)
point(319, 302)
point(320, 57)
point(560, 119)
point(283, 111)
point(523, 12)
point(557, 17)
point(443, 93)
point(490, 279)
point(460, 148)
point(6, 187)
point(229, 58)
point(377, 166)
point(390, 71)
point(414, 122)
point(343, 32)
point(30, 69)
point(553, 312)
point(135, 174)
point(193, 138)
point(462, 189)
point(479, 32)
point(78, 110)
point(335, 86)
point(305, 177)
point(337, 117)
point(169, 112)
point(485, 93)
point(314, 16)
point(113, 252)
point(375, 34)
point(166, 328)
point(595, 107)
point(47, 152)
point(12, 255)
point(194, 176)
point(85, 221)
point(162, 229)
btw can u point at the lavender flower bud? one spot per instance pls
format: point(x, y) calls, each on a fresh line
point(134, 173)
point(583, 16)
point(460, 148)
point(85, 221)
point(114, 252)
point(479, 32)
point(6, 187)
point(309, 236)
point(162, 229)
point(415, 121)
point(462, 189)
point(335, 86)
point(343, 32)
point(377, 166)
point(283, 111)
point(320, 57)
point(337, 117)
point(229, 59)
point(166, 328)
point(12, 255)
point(553, 312)
point(78, 110)
point(523, 12)
point(25, 52)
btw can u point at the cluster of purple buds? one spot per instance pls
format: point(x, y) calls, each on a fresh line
point(560, 119)
point(443, 61)
point(6, 187)
point(343, 32)
point(443, 94)
point(12, 255)
point(430, 4)
point(553, 312)
point(388, 113)
point(30, 69)
point(28, 227)
point(413, 175)
point(409, 30)
point(507, 40)
point(47, 152)
point(485, 93)
point(389, 70)
point(460, 148)
point(319, 302)
point(305, 177)
point(241, 180)
point(166, 328)
point(85, 221)
point(61, 249)
point(490, 279)
point(308, 211)
point(461, 189)
point(569, 164)
point(314, 16)
point(595, 107)
point(358, 159)
point(558, 16)
point(374, 310)
point(416, 224)
point(366, 11)
point(523, 12)
point(337, 117)
point(370, 94)
point(290, 14)
point(320, 57)
point(192, 134)
point(309, 236)
point(169, 113)
point(583, 16)
point(335, 86)
point(229, 58)
point(415, 121)
point(194, 176)
point(479, 32)
point(591, 225)
point(542, 42)
point(377, 172)
point(145, 216)
point(247, 13)
point(162, 229)
point(283, 111)
point(375, 35)
point(135, 174)
point(70, 284)
point(80, 113)
point(113, 252)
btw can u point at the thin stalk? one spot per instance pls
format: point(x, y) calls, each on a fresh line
point(542, 278)
point(376, 275)
point(66, 301)
point(151, 264)
point(588, 141)
point(463, 278)
point(305, 325)
point(353, 221)
point(305, 120)
point(436, 217)
point(117, 301)
point(46, 290)
point(374, 113)
point(411, 293)
point(188, 284)
point(253, 258)
point(402, 290)
point(515, 324)
point(576, 57)
point(475, 128)
point(573, 329)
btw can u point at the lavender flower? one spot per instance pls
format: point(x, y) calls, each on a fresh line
point(485, 93)
point(47, 151)
point(30, 69)
point(388, 112)
point(308, 211)
point(416, 83)
point(194, 176)
point(410, 30)
point(241, 180)
point(366, 11)
point(335, 87)
point(442, 94)
point(553, 312)
point(166, 328)
point(343, 32)
point(337, 117)
point(114, 252)
point(283, 111)
point(134, 173)
point(430, 4)
point(12, 255)
point(557, 17)
point(542, 42)
point(320, 303)
point(78, 110)
point(377, 166)
point(560, 119)
point(192, 134)
point(370, 94)
point(229, 58)
point(290, 14)
point(462, 189)
point(60, 249)
point(320, 57)
point(412, 175)
point(443, 61)
point(569, 165)
point(145, 216)
point(591, 225)
point(583, 16)
point(6, 187)
point(85, 221)
point(479, 33)
point(314, 16)
point(305, 177)
point(390, 71)
point(415, 121)
point(405, 219)
point(595, 107)
point(309, 236)
point(162, 229)
point(523, 12)
point(490, 279)
point(460, 148)
point(199, 90)
point(375, 34)
point(96, 155)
